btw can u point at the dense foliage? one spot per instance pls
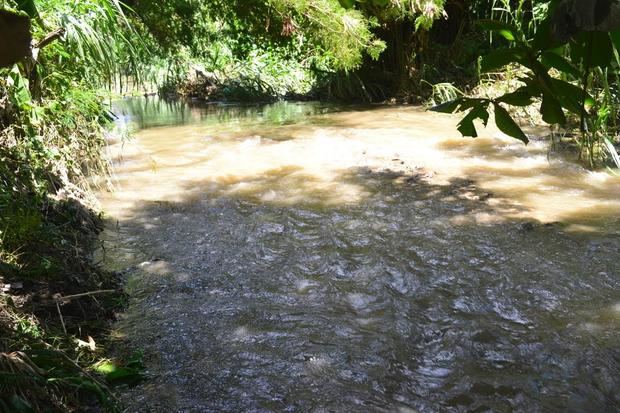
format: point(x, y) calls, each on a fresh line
point(569, 50)
point(319, 39)
point(52, 116)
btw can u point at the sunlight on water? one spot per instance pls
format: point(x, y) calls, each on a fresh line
point(311, 163)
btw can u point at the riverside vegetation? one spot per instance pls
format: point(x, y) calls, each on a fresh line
point(66, 59)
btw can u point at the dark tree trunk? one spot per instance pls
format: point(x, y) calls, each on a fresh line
point(16, 38)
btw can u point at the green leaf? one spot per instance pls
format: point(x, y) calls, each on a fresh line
point(105, 367)
point(569, 95)
point(124, 375)
point(115, 374)
point(8, 269)
point(19, 92)
point(448, 107)
point(545, 38)
point(551, 110)
point(507, 31)
point(550, 59)
point(29, 7)
point(520, 97)
point(469, 103)
point(532, 86)
point(499, 58)
point(467, 128)
point(506, 124)
point(458, 105)
point(466, 125)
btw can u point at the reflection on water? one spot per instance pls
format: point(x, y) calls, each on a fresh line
point(304, 257)
point(147, 113)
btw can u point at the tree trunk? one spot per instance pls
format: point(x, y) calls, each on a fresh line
point(16, 38)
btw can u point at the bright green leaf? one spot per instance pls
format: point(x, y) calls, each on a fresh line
point(507, 31)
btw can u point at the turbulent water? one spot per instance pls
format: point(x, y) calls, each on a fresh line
point(312, 258)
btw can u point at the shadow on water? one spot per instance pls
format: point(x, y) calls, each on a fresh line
point(279, 284)
point(251, 305)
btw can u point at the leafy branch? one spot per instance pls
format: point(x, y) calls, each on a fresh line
point(575, 37)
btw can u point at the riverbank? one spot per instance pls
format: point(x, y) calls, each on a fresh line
point(56, 303)
point(55, 328)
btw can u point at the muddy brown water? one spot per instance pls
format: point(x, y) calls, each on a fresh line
point(306, 257)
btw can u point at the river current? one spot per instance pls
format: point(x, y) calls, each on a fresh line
point(303, 257)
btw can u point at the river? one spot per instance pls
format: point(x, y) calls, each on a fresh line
point(307, 257)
